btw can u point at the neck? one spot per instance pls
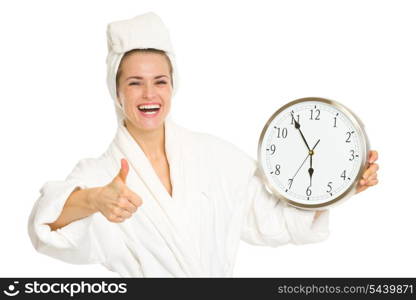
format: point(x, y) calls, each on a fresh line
point(152, 142)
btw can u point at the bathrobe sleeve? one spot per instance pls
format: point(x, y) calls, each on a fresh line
point(76, 242)
point(268, 221)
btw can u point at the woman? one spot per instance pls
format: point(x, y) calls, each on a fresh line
point(162, 200)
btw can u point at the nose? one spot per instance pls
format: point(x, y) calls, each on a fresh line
point(149, 91)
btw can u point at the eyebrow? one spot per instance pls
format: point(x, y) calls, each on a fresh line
point(138, 77)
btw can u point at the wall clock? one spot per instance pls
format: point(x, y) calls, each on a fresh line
point(312, 152)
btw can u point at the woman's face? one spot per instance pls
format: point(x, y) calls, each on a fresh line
point(145, 90)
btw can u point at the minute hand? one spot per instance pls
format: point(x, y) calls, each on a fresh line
point(297, 126)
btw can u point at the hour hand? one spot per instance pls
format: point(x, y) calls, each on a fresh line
point(310, 170)
point(297, 126)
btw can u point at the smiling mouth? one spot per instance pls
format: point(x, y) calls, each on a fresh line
point(149, 109)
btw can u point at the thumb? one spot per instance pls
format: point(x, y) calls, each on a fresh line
point(124, 170)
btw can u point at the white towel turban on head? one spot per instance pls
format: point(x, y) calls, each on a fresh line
point(143, 31)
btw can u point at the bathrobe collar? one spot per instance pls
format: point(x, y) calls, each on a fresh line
point(163, 210)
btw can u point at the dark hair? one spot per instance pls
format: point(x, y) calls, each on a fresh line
point(143, 50)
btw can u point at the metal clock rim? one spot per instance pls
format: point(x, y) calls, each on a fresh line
point(365, 151)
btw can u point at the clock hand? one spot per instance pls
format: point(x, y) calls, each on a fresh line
point(297, 126)
point(316, 144)
point(291, 179)
point(300, 167)
point(311, 170)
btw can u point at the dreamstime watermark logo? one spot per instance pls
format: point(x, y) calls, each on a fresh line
point(71, 289)
point(11, 289)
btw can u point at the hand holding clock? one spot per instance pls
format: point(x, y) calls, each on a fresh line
point(370, 175)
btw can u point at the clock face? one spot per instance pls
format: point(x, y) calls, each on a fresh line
point(312, 151)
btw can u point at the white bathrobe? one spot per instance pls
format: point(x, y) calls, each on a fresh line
point(218, 199)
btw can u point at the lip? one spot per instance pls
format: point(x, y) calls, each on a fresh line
point(149, 116)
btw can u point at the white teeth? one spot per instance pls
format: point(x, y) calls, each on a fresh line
point(150, 112)
point(149, 106)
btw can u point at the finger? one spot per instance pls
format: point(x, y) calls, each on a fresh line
point(127, 205)
point(118, 219)
point(372, 177)
point(135, 199)
point(361, 188)
point(120, 212)
point(124, 170)
point(373, 156)
point(373, 168)
point(125, 214)
point(372, 182)
point(115, 219)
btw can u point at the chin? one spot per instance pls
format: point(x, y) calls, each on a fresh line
point(149, 124)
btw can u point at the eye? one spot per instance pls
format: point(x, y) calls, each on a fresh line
point(161, 82)
point(134, 83)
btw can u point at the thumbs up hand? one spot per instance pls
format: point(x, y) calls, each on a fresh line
point(115, 200)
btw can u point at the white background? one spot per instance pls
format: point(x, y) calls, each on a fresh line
point(238, 62)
